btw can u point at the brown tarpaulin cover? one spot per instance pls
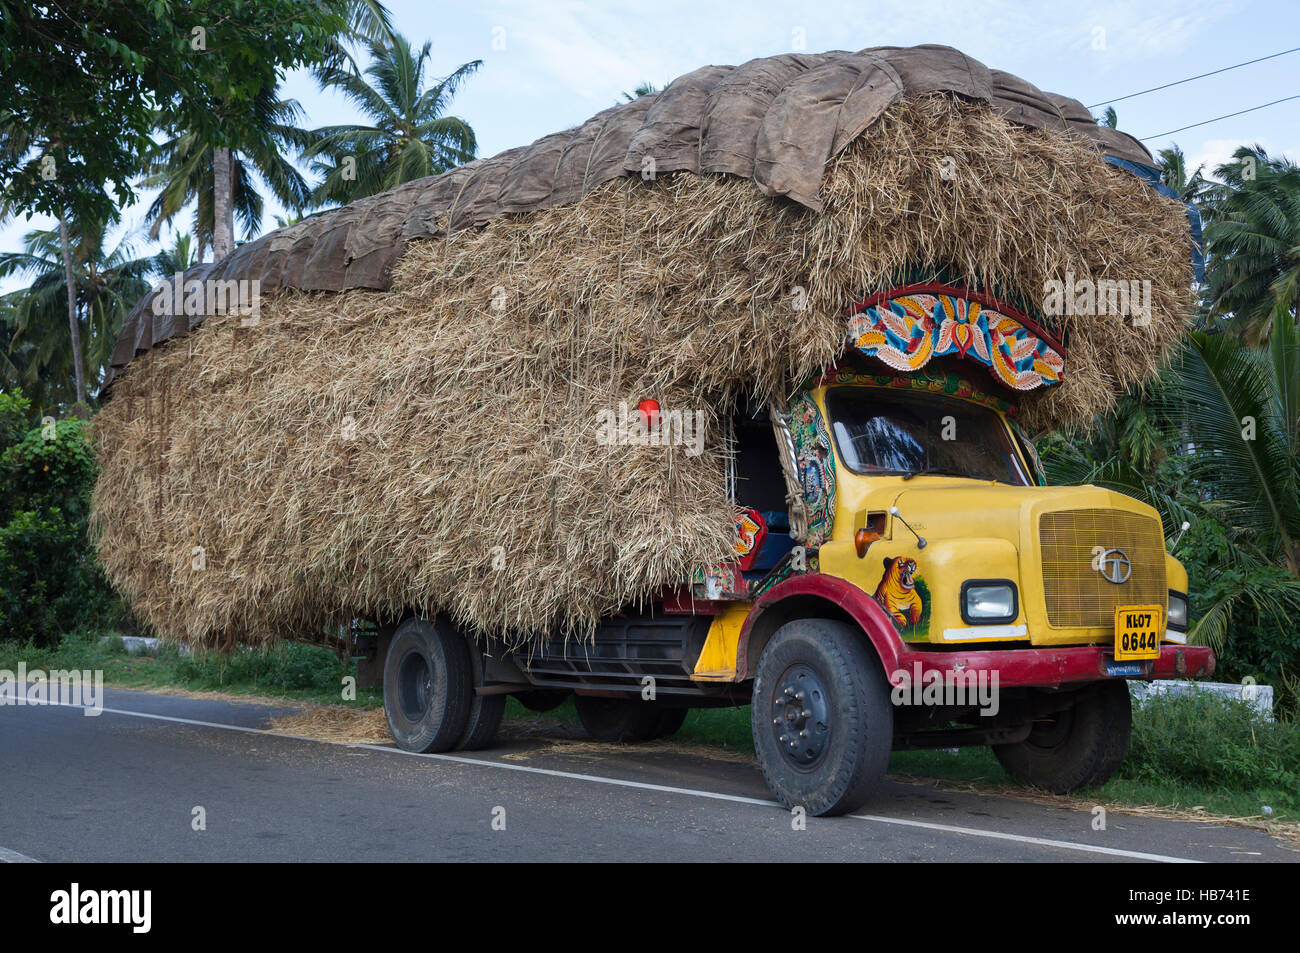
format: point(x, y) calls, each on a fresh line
point(776, 120)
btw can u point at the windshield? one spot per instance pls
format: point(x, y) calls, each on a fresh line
point(881, 432)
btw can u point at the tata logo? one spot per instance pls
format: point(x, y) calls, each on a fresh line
point(1114, 566)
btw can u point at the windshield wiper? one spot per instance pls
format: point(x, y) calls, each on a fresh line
point(936, 471)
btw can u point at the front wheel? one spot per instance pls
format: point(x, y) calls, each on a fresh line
point(821, 715)
point(1078, 747)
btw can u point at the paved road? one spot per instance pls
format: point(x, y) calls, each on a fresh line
point(124, 785)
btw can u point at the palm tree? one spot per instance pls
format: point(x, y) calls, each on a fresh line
point(1238, 406)
point(1173, 173)
point(180, 256)
point(39, 356)
point(367, 20)
point(645, 89)
point(411, 135)
point(1253, 237)
point(187, 170)
point(17, 141)
point(216, 177)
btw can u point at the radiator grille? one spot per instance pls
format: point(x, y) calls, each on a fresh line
point(1078, 596)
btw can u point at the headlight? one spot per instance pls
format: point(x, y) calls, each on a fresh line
point(989, 600)
point(1177, 611)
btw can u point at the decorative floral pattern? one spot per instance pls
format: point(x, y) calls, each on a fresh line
point(747, 532)
point(907, 331)
point(812, 444)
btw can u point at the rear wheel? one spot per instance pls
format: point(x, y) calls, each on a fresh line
point(1080, 746)
point(543, 699)
point(485, 711)
point(670, 721)
point(428, 686)
point(625, 719)
point(821, 715)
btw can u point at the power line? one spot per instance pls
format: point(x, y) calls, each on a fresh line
point(1225, 69)
point(1241, 112)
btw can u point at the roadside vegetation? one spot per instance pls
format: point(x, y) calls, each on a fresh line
point(1188, 755)
point(295, 672)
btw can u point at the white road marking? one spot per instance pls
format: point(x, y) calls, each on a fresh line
point(928, 825)
point(8, 856)
point(666, 789)
point(598, 779)
point(1025, 839)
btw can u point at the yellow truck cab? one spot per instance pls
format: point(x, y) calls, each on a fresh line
point(902, 578)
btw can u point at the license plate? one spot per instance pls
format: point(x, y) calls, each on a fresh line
point(1137, 632)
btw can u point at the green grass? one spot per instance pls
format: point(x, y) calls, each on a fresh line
point(296, 672)
point(978, 768)
point(728, 727)
point(722, 727)
point(515, 711)
point(1193, 752)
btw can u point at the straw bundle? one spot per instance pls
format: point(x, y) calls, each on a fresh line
point(435, 445)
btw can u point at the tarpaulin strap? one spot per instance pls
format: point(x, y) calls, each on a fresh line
point(795, 503)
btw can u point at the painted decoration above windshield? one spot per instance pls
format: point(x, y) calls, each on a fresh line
point(907, 328)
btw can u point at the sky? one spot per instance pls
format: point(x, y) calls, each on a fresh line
point(550, 64)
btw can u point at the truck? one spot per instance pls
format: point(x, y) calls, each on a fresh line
point(856, 276)
point(922, 588)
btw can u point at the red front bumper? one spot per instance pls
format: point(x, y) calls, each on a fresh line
point(1052, 667)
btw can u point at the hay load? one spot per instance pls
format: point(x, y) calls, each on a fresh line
point(411, 418)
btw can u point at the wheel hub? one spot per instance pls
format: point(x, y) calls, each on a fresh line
point(414, 686)
point(801, 724)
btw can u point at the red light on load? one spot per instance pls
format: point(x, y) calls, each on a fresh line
point(649, 412)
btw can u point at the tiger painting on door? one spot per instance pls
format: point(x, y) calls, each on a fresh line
point(897, 591)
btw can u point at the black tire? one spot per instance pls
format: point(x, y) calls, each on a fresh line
point(825, 751)
point(1082, 746)
point(428, 686)
point(621, 720)
point(670, 720)
point(485, 711)
point(543, 699)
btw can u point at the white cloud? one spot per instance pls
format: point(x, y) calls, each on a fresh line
point(1215, 152)
point(1118, 33)
point(573, 49)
